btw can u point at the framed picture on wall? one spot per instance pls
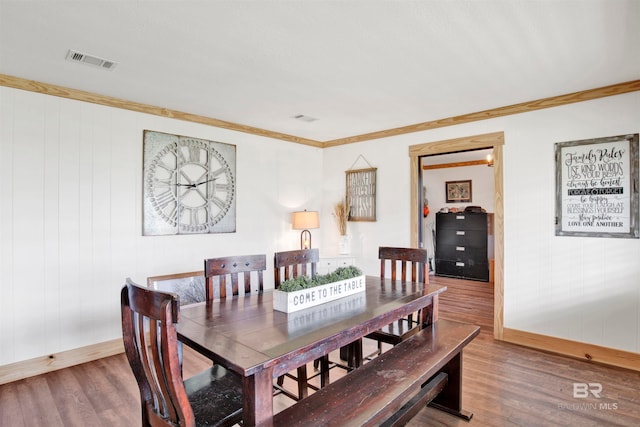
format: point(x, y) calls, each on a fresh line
point(458, 191)
point(597, 187)
point(361, 194)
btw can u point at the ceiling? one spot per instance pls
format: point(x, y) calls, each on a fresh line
point(356, 66)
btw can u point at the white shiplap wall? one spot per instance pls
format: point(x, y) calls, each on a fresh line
point(70, 216)
point(581, 289)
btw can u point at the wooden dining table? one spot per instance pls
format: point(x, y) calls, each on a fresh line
point(246, 335)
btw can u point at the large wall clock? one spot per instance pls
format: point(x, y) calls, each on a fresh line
point(189, 185)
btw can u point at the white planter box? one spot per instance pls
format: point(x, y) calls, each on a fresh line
point(299, 300)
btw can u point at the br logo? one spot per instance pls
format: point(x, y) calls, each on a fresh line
point(582, 390)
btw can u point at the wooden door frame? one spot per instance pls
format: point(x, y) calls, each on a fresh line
point(490, 140)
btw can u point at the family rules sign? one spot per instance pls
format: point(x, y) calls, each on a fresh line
point(597, 187)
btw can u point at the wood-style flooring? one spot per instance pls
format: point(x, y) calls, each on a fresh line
point(504, 384)
point(510, 385)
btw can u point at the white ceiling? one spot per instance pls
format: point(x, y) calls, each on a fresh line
point(358, 66)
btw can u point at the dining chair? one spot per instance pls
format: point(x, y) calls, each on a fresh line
point(401, 261)
point(212, 397)
point(288, 265)
point(188, 285)
point(291, 264)
point(225, 274)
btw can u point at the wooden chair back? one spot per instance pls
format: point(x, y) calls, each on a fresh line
point(151, 346)
point(411, 260)
point(229, 269)
point(290, 264)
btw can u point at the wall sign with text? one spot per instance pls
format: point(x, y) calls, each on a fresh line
point(361, 194)
point(597, 187)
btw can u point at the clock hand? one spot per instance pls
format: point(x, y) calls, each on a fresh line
point(199, 183)
point(195, 184)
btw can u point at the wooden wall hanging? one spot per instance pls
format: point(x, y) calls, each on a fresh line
point(361, 192)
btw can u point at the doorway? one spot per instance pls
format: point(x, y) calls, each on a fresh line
point(463, 169)
point(491, 140)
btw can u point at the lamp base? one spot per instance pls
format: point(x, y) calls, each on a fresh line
point(305, 239)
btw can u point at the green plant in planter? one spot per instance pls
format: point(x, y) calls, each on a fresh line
point(304, 282)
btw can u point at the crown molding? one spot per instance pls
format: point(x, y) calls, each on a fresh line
point(524, 107)
point(79, 95)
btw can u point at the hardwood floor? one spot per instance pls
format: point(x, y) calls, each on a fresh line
point(504, 384)
point(510, 385)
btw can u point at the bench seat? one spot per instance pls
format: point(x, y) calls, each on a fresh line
point(393, 387)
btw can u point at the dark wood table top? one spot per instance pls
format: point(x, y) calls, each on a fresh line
point(246, 335)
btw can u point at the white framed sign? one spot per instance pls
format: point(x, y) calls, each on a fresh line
point(361, 194)
point(597, 187)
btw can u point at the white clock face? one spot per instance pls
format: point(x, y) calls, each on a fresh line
point(189, 185)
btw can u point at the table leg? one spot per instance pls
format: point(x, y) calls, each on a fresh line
point(450, 399)
point(355, 354)
point(258, 399)
point(429, 314)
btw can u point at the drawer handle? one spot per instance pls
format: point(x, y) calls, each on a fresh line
point(459, 264)
point(460, 233)
point(460, 248)
point(460, 217)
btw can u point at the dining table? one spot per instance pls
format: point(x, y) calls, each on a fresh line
point(247, 336)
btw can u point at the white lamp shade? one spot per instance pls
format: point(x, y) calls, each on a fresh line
point(304, 220)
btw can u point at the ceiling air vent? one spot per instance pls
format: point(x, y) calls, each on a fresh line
point(304, 118)
point(95, 61)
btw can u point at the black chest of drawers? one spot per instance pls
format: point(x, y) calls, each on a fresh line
point(461, 245)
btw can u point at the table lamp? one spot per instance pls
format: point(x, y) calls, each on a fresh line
point(304, 220)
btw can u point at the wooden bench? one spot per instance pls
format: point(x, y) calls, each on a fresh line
point(395, 386)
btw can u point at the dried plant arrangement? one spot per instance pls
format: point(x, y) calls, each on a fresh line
point(342, 215)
